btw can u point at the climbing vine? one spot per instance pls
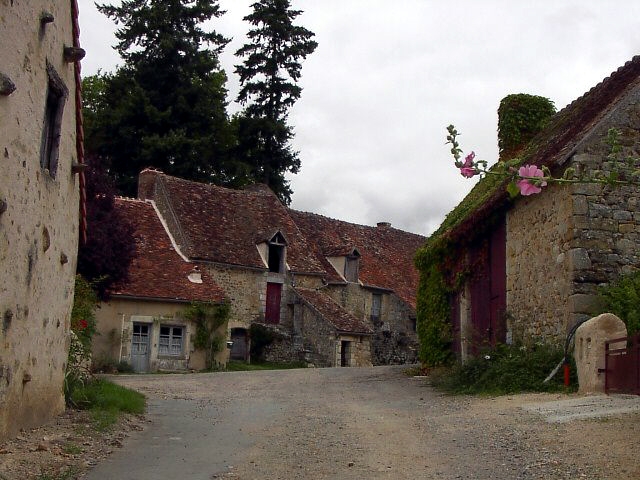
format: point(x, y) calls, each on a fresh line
point(209, 319)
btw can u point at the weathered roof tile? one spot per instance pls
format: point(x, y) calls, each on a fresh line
point(157, 271)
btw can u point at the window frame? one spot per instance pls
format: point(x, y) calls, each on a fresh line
point(166, 349)
point(56, 97)
point(276, 253)
point(352, 268)
point(375, 315)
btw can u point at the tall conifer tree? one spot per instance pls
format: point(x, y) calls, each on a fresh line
point(269, 79)
point(166, 107)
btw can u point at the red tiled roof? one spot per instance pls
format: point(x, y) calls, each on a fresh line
point(386, 253)
point(224, 225)
point(157, 271)
point(337, 316)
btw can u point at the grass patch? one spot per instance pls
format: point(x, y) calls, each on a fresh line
point(237, 366)
point(72, 449)
point(106, 401)
point(504, 370)
point(69, 474)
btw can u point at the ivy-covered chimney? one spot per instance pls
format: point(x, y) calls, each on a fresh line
point(520, 118)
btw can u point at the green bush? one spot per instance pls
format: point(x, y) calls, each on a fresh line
point(623, 299)
point(504, 370)
point(261, 337)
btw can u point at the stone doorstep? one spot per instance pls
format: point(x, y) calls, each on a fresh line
point(591, 406)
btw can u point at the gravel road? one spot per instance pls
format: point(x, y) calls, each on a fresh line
point(358, 423)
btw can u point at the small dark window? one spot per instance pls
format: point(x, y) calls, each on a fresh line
point(52, 124)
point(277, 253)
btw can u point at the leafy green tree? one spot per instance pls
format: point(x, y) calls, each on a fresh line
point(166, 107)
point(269, 78)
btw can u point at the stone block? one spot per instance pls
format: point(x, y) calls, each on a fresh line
point(626, 246)
point(579, 259)
point(626, 228)
point(589, 350)
point(580, 205)
point(582, 303)
point(622, 215)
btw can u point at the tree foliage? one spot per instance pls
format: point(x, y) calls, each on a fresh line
point(269, 78)
point(166, 107)
point(622, 298)
point(104, 259)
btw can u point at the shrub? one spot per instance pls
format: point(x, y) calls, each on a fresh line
point(623, 299)
point(261, 337)
point(83, 328)
point(504, 370)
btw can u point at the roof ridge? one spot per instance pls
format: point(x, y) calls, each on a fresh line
point(634, 59)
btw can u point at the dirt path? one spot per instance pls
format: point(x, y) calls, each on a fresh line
point(358, 423)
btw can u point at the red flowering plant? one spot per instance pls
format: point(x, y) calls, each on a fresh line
point(83, 327)
point(530, 179)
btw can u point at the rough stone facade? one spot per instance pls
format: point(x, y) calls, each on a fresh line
point(565, 242)
point(323, 347)
point(539, 232)
point(38, 213)
point(116, 319)
point(395, 340)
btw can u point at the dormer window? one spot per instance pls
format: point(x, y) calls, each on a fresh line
point(351, 267)
point(276, 261)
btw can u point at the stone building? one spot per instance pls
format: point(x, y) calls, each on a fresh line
point(39, 197)
point(536, 262)
point(143, 323)
point(328, 292)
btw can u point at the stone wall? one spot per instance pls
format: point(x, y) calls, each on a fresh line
point(359, 354)
point(246, 290)
point(38, 217)
point(320, 339)
point(539, 255)
point(566, 242)
point(115, 326)
point(395, 340)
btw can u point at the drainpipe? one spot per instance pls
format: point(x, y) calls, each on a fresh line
point(121, 336)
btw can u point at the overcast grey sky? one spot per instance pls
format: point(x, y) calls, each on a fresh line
point(389, 76)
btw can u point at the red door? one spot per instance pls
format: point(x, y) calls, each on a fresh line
point(488, 289)
point(498, 267)
point(272, 310)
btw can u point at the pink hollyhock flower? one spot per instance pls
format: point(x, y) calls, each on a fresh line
point(83, 324)
point(467, 169)
point(467, 172)
point(527, 187)
point(468, 160)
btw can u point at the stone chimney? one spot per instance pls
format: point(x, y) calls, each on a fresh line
point(383, 225)
point(147, 183)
